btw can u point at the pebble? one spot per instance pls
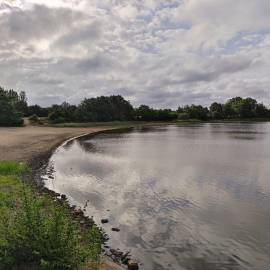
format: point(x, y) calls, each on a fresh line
point(104, 220)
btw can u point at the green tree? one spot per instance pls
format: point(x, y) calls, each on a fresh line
point(8, 114)
point(112, 108)
point(216, 111)
point(145, 113)
point(196, 112)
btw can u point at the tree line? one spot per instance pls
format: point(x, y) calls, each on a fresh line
point(13, 106)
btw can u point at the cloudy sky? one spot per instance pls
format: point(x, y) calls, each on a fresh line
point(162, 53)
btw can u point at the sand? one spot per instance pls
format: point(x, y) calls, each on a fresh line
point(31, 142)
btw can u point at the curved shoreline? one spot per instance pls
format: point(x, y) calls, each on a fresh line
point(39, 152)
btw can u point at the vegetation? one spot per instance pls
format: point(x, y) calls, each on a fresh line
point(116, 108)
point(37, 232)
point(12, 106)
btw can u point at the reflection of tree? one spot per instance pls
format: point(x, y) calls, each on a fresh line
point(238, 130)
point(68, 144)
point(86, 146)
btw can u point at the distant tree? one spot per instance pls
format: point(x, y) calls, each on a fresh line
point(261, 111)
point(244, 108)
point(196, 112)
point(180, 110)
point(247, 108)
point(21, 103)
point(216, 111)
point(8, 114)
point(112, 108)
point(37, 110)
point(233, 107)
point(166, 115)
point(62, 113)
point(145, 113)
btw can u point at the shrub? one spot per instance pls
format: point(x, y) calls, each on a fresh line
point(33, 118)
point(183, 116)
point(59, 120)
point(38, 232)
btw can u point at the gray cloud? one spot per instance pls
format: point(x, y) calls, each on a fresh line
point(163, 54)
point(37, 23)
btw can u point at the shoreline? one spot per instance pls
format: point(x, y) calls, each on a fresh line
point(38, 161)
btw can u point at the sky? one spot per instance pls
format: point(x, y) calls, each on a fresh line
point(155, 52)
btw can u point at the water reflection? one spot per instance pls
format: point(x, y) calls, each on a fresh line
point(184, 197)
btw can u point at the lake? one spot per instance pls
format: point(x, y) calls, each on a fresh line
point(183, 196)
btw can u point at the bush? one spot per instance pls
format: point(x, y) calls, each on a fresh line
point(59, 120)
point(38, 232)
point(33, 118)
point(183, 116)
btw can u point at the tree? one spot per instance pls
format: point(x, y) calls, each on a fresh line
point(37, 110)
point(21, 103)
point(145, 113)
point(261, 111)
point(62, 113)
point(196, 112)
point(216, 111)
point(8, 116)
point(247, 108)
point(112, 108)
point(233, 107)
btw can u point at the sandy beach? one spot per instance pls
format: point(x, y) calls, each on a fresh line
point(31, 142)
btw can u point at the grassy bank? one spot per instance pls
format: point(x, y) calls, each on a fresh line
point(39, 232)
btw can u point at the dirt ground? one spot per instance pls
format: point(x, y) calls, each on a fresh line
point(30, 142)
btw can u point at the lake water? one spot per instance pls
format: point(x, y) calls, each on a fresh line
point(184, 197)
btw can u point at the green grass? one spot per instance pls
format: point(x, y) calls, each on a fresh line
point(12, 168)
point(37, 232)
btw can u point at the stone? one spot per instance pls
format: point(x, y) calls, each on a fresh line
point(115, 229)
point(132, 265)
point(63, 197)
point(104, 220)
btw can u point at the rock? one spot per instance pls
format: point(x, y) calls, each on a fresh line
point(132, 265)
point(63, 197)
point(104, 220)
point(116, 253)
point(115, 229)
point(125, 258)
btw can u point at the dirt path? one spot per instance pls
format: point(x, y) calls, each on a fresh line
point(30, 142)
